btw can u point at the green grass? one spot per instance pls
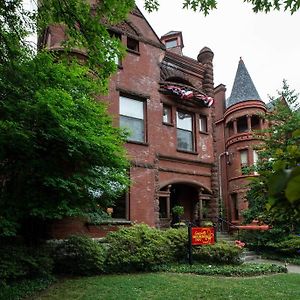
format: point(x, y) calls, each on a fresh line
point(175, 286)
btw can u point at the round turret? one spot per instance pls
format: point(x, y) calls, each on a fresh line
point(205, 55)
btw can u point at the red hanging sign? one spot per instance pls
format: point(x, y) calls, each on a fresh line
point(203, 236)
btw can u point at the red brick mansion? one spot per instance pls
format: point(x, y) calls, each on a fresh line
point(187, 144)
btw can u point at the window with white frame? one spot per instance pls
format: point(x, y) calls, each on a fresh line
point(202, 123)
point(185, 138)
point(244, 159)
point(171, 43)
point(255, 160)
point(167, 114)
point(132, 118)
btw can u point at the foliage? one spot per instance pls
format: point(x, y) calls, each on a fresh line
point(275, 240)
point(136, 248)
point(206, 6)
point(59, 153)
point(274, 196)
point(221, 252)
point(246, 269)
point(85, 30)
point(24, 289)
point(178, 210)
point(258, 240)
point(79, 255)
point(290, 246)
point(177, 243)
point(18, 262)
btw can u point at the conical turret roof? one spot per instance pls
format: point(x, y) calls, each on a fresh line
point(243, 87)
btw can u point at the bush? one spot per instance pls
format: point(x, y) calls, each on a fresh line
point(222, 253)
point(137, 248)
point(290, 246)
point(79, 255)
point(177, 243)
point(18, 262)
point(246, 269)
point(24, 288)
point(258, 240)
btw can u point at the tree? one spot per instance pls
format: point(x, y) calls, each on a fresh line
point(59, 153)
point(274, 197)
point(206, 6)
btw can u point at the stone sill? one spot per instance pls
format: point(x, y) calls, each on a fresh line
point(111, 222)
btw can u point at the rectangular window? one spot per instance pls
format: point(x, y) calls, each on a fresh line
point(119, 209)
point(132, 118)
point(132, 44)
point(185, 139)
point(118, 36)
point(167, 114)
point(244, 161)
point(203, 123)
point(242, 125)
point(244, 158)
point(171, 43)
point(235, 207)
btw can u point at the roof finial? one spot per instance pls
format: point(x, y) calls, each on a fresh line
point(241, 58)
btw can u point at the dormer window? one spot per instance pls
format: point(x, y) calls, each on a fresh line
point(132, 45)
point(171, 43)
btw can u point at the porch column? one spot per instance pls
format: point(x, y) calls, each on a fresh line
point(234, 126)
point(249, 123)
point(261, 123)
point(200, 205)
point(168, 201)
point(166, 194)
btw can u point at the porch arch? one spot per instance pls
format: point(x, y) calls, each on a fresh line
point(193, 196)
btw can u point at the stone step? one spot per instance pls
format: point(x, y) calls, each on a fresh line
point(248, 255)
point(223, 236)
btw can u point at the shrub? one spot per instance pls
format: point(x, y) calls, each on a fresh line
point(258, 240)
point(290, 246)
point(24, 288)
point(177, 243)
point(79, 255)
point(222, 252)
point(247, 269)
point(19, 261)
point(137, 248)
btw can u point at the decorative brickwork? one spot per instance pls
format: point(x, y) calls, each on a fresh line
point(174, 161)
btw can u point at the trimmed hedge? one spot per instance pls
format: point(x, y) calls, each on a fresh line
point(177, 242)
point(289, 247)
point(221, 253)
point(246, 269)
point(79, 255)
point(137, 248)
point(140, 247)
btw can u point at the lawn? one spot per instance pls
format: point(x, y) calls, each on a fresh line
point(175, 286)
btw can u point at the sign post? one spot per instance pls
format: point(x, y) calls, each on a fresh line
point(190, 245)
point(200, 236)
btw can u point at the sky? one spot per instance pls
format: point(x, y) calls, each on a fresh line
point(269, 44)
